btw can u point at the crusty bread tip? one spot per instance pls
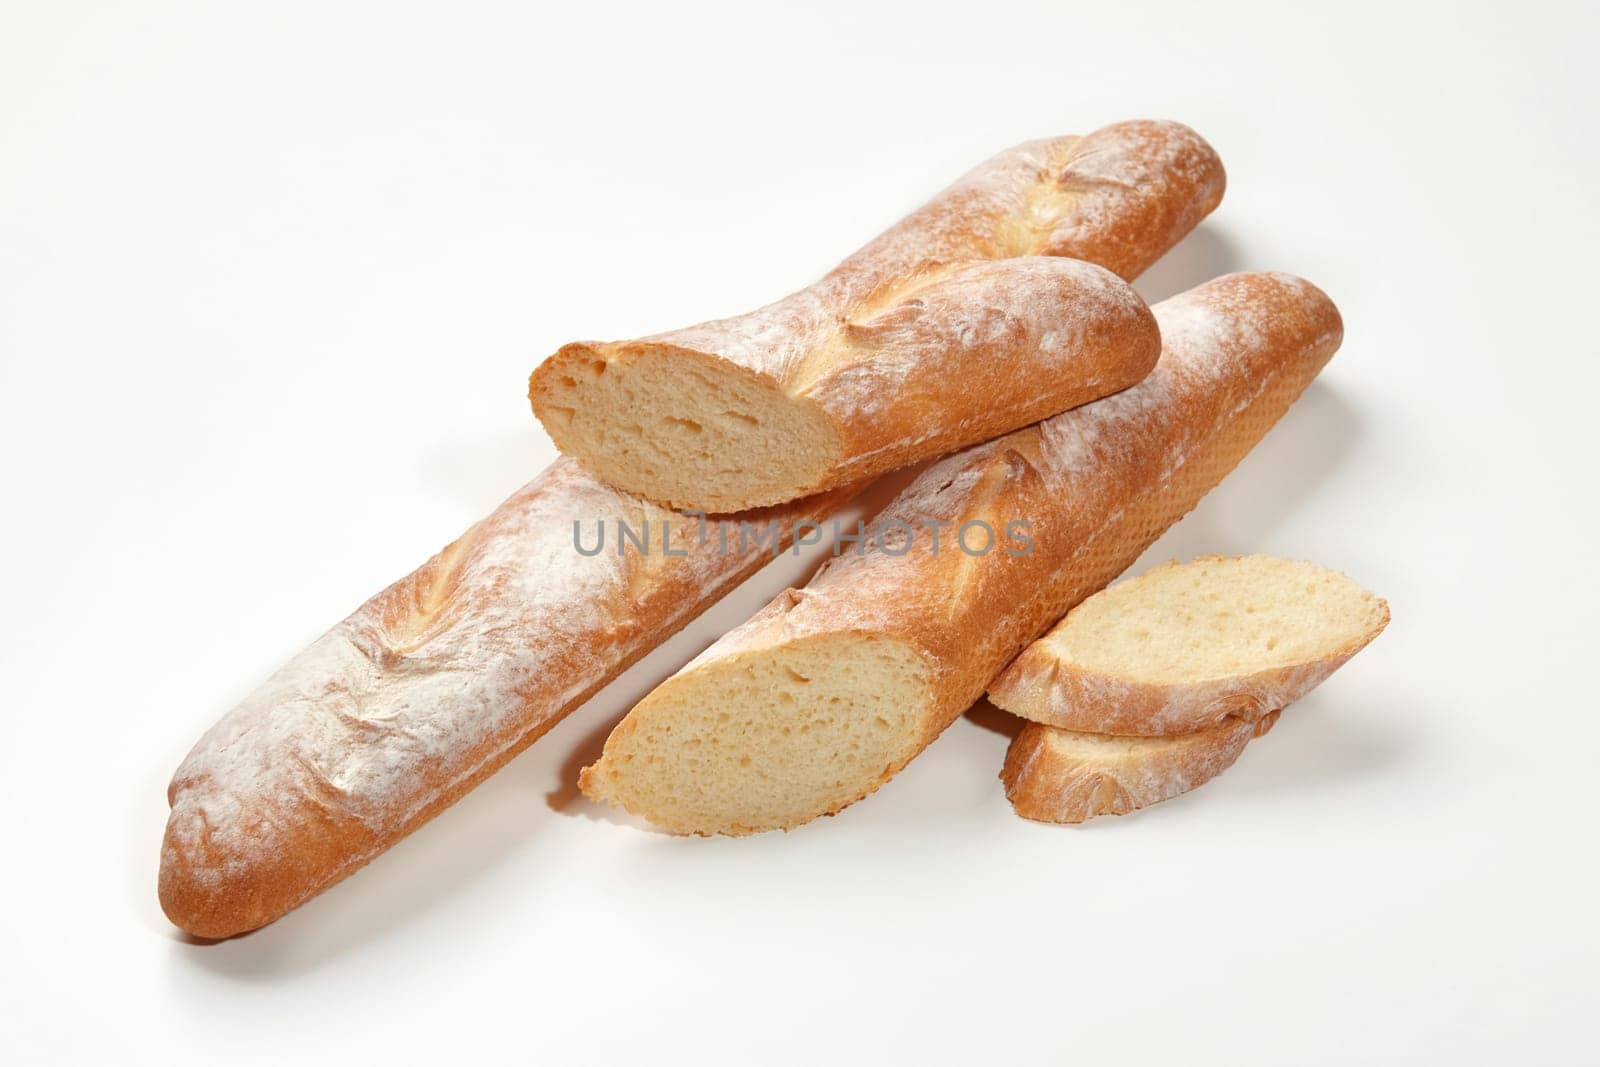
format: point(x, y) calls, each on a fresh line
point(977, 314)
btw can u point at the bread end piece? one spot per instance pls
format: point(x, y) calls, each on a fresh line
point(1157, 177)
point(1188, 646)
point(813, 718)
point(1064, 776)
point(215, 884)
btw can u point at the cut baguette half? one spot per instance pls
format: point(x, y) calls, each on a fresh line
point(1065, 776)
point(1186, 647)
point(998, 303)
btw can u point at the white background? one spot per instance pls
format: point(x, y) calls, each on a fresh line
point(272, 277)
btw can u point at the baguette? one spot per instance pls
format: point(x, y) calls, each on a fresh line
point(828, 691)
point(953, 327)
point(431, 686)
point(1065, 776)
point(1187, 647)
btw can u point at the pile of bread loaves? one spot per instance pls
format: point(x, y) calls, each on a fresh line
point(994, 327)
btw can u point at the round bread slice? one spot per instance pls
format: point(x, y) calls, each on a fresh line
point(1065, 776)
point(1186, 647)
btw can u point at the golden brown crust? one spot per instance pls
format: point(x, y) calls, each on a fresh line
point(1062, 776)
point(1097, 485)
point(968, 318)
point(1043, 690)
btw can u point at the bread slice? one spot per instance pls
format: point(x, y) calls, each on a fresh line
point(1066, 776)
point(1186, 647)
point(999, 303)
point(830, 690)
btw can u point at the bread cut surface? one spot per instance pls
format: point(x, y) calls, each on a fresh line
point(929, 629)
point(979, 313)
point(431, 686)
point(1187, 646)
point(828, 713)
point(1066, 776)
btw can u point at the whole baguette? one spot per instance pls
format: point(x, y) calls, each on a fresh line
point(431, 686)
point(1065, 776)
point(1189, 646)
point(960, 323)
point(830, 690)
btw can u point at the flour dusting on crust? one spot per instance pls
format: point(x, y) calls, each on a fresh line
point(1069, 197)
point(443, 671)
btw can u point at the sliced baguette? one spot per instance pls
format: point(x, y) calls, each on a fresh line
point(1066, 776)
point(971, 317)
point(829, 691)
point(1186, 647)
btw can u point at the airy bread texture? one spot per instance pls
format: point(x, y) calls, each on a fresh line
point(969, 318)
point(430, 687)
point(925, 630)
point(1065, 776)
point(828, 713)
point(1189, 646)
